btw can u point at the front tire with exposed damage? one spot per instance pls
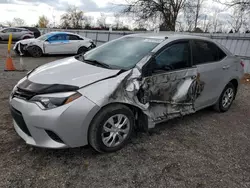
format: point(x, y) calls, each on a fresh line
point(35, 51)
point(111, 128)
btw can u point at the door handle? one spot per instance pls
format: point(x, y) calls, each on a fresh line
point(226, 67)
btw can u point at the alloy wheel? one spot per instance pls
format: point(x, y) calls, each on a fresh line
point(115, 130)
point(227, 98)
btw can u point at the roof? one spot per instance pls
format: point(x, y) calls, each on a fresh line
point(14, 28)
point(166, 35)
point(62, 32)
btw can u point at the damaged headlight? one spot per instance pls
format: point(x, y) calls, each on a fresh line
point(53, 102)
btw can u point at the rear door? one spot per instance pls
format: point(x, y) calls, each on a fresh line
point(212, 70)
point(173, 87)
point(74, 43)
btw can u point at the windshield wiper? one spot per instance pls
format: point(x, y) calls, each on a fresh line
point(93, 61)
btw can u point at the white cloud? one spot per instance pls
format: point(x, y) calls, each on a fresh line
point(30, 10)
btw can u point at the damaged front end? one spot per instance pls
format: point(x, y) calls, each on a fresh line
point(20, 49)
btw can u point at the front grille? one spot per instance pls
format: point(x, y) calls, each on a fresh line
point(23, 94)
point(53, 136)
point(18, 117)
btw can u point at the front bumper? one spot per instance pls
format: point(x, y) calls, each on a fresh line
point(20, 49)
point(62, 127)
point(92, 46)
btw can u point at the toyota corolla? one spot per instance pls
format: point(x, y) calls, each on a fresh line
point(137, 81)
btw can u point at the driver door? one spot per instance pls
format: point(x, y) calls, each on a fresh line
point(173, 86)
point(57, 44)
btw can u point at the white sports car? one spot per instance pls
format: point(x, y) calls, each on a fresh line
point(54, 43)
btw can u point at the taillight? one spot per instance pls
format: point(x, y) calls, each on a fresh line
point(242, 64)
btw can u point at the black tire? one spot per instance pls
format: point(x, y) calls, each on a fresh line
point(96, 129)
point(219, 107)
point(35, 51)
point(82, 49)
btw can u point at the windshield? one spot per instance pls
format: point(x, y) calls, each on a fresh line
point(44, 37)
point(123, 53)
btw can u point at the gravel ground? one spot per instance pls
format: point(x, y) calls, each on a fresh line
point(206, 149)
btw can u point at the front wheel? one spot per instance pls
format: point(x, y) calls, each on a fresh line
point(226, 98)
point(35, 51)
point(82, 49)
point(111, 129)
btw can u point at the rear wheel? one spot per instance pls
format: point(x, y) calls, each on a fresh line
point(35, 51)
point(226, 98)
point(82, 49)
point(111, 129)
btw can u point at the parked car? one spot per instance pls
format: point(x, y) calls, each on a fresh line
point(137, 81)
point(54, 43)
point(36, 32)
point(17, 34)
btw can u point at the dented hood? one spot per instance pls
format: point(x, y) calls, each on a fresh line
point(70, 71)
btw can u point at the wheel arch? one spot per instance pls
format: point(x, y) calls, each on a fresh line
point(236, 85)
point(26, 35)
point(141, 119)
point(35, 45)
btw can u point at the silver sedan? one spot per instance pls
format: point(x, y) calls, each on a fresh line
point(137, 81)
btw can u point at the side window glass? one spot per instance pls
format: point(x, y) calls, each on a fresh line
point(57, 38)
point(53, 38)
point(174, 57)
point(73, 37)
point(7, 31)
point(61, 37)
point(205, 52)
